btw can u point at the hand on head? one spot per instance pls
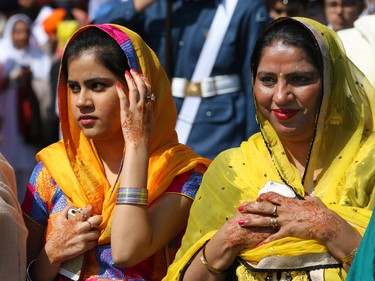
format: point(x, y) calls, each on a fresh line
point(136, 108)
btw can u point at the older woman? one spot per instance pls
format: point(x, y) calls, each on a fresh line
point(293, 201)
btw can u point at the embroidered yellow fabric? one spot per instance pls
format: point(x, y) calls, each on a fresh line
point(344, 148)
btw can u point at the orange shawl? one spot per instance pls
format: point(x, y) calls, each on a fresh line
point(74, 163)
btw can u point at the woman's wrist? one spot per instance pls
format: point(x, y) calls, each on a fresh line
point(217, 259)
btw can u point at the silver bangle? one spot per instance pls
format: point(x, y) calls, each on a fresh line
point(28, 278)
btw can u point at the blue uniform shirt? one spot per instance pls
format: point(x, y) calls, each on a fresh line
point(222, 121)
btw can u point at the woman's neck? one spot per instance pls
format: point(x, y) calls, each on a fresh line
point(111, 154)
point(297, 153)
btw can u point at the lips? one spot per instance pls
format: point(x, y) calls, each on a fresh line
point(86, 120)
point(284, 114)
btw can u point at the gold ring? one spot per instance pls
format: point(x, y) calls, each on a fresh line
point(273, 222)
point(274, 212)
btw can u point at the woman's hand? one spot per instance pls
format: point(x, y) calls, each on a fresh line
point(221, 251)
point(238, 234)
point(308, 219)
point(136, 109)
point(74, 236)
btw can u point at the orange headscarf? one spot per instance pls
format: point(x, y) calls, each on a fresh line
point(74, 163)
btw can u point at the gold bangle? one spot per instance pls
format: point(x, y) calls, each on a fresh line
point(209, 267)
point(349, 258)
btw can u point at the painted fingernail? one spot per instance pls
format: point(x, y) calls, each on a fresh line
point(127, 73)
point(118, 85)
point(259, 244)
point(240, 208)
point(132, 69)
point(241, 222)
point(140, 74)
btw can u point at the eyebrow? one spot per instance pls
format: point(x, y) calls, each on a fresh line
point(93, 79)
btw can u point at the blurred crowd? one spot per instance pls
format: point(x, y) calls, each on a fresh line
point(48, 24)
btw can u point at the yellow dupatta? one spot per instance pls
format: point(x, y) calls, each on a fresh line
point(344, 147)
point(74, 163)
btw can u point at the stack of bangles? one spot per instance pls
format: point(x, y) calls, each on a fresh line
point(132, 195)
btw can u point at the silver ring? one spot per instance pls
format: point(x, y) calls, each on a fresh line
point(274, 212)
point(273, 222)
point(152, 97)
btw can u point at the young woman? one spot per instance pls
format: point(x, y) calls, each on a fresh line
point(293, 201)
point(119, 186)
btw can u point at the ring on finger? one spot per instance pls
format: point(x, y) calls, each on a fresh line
point(91, 226)
point(274, 212)
point(273, 222)
point(151, 97)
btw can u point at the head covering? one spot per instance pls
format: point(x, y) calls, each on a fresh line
point(343, 148)
point(74, 163)
point(32, 55)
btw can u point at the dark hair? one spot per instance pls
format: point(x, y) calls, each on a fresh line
point(289, 32)
point(107, 51)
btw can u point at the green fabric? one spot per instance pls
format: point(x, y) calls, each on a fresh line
point(363, 266)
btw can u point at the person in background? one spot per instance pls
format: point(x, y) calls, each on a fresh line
point(316, 11)
point(118, 160)
point(359, 44)
point(287, 8)
point(292, 202)
point(13, 230)
point(206, 60)
point(24, 98)
point(341, 14)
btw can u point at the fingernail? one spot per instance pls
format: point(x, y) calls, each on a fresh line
point(127, 73)
point(240, 208)
point(132, 69)
point(241, 222)
point(259, 244)
point(140, 74)
point(118, 85)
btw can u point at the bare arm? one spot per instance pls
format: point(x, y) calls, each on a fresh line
point(139, 231)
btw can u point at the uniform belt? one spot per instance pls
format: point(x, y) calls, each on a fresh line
point(208, 87)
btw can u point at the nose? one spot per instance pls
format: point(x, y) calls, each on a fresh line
point(283, 93)
point(83, 99)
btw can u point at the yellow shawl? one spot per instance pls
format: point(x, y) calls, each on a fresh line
point(344, 146)
point(74, 163)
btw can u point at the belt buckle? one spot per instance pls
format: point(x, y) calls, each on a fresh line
point(193, 89)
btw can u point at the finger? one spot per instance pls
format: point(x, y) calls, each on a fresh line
point(133, 90)
point(258, 221)
point(147, 83)
point(88, 210)
point(124, 103)
point(273, 237)
point(262, 208)
point(272, 197)
point(96, 220)
point(93, 222)
point(142, 88)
